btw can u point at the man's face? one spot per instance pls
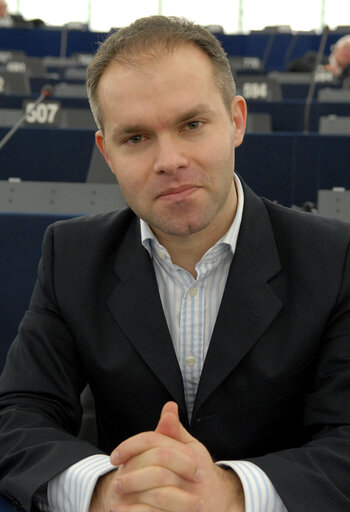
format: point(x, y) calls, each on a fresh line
point(170, 141)
point(3, 9)
point(342, 55)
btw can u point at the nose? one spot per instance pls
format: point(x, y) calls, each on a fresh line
point(170, 155)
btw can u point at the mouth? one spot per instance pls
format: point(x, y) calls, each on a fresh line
point(178, 193)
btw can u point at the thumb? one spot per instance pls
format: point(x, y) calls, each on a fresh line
point(169, 424)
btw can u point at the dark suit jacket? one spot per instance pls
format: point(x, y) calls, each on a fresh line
point(275, 387)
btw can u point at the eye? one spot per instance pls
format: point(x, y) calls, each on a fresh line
point(134, 140)
point(193, 125)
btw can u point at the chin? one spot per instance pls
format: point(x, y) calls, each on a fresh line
point(186, 229)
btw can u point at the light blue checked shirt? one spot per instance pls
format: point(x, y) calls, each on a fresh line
point(190, 307)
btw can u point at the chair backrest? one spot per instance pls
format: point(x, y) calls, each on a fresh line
point(39, 153)
point(20, 249)
point(77, 118)
point(6, 506)
point(259, 122)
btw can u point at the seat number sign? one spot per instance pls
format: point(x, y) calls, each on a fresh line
point(255, 90)
point(47, 113)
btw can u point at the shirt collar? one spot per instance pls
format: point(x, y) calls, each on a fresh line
point(148, 238)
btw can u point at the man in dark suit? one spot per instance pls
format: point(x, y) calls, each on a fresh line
point(212, 325)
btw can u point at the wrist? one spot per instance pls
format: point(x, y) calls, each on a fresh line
point(233, 490)
point(101, 490)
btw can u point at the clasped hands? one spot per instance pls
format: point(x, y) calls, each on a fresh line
point(166, 470)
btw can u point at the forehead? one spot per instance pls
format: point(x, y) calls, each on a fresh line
point(181, 64)
point(165, 82)
point(345, 46)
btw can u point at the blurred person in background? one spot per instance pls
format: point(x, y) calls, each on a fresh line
point(7, 19)
point(339, 59)
point(338, 62)
point(15, 20)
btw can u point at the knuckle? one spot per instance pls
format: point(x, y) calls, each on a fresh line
point(162, 476)
point(158, 498)
point(164, 455)
point(148, 437)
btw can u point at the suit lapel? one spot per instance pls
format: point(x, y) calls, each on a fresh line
point(249, 305)
point(136, 306)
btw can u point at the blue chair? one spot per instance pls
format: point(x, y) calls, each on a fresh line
point(20, 242)
point(6, 506)
point(47, 154)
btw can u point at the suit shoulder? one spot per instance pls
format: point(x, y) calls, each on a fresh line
point(81, 237)
point(84, 244)
point(307, 227)
point(94, 225)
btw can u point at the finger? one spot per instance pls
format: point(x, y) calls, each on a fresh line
point(146, 478)
point(184, 465)
point(169, 499)
point(170, 407)
point(147, 440)
point(169, 423)
point(184, 436)
point(140, 443)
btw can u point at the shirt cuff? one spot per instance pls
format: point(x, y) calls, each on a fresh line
point(72, 489)
point(259, 493)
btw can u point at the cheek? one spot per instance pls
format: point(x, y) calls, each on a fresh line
point(132, 181)
point(128, 185)
point(219, 158)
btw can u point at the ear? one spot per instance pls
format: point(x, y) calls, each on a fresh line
point(100, 143)
point(239, 117)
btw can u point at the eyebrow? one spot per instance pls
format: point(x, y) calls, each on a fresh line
point(199, 109)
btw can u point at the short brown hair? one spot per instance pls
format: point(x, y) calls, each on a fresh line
point(151, 36)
